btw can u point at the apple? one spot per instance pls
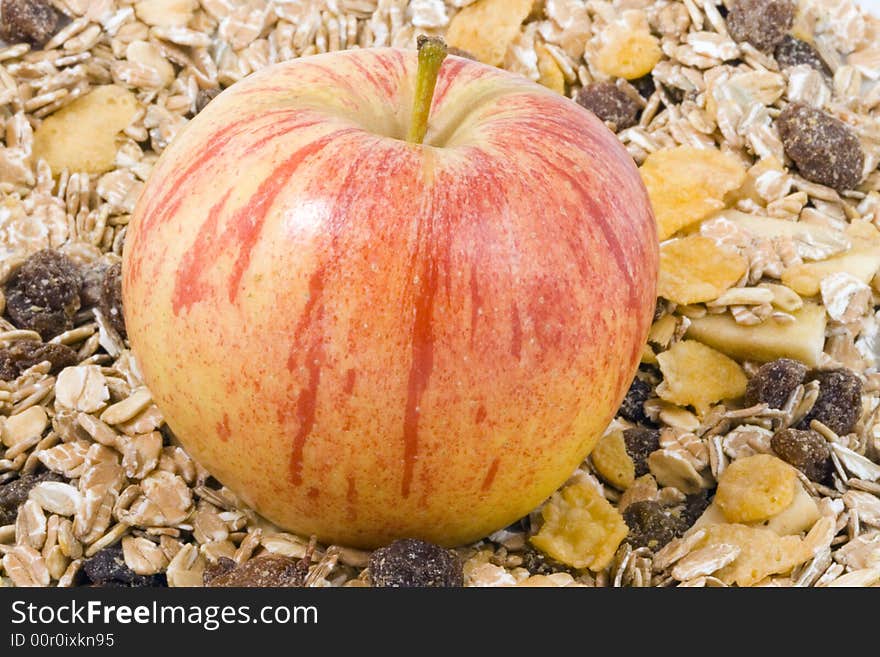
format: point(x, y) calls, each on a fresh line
point(371, 324)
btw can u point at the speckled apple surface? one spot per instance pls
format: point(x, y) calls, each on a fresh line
point(368, 339)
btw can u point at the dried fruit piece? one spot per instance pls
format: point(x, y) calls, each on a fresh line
point(839, 404)
point(23, 354)
point(763, 23)
point(695, 269)
point(652, 525)
point(14, 493)
point(551, 75)
point(806, 279)
point(640, 444)
point(108, 568)
point(791, 51)
point(697, 375)
point(111, 299)
point(811, 241)
point(633, 406)
point(755, 488)
point(805, 450)
point(797, 517)
point(801, 340)
point(774, 382)
point(43, 293)
point(610, 103)
point(538, 563)
point(688, 184)
point(263, 571)
point(82, 135)
point(628, 49)
point(205, 96)
point(825, 149)
point(762, 552)
point(411, 563)
point(486, 28)
point(612, 462)
point(581, 529)
point(31, 21)
point(645, 85)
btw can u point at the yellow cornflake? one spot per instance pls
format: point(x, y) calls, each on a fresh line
point(762, 552)
point(628, 49)
point(612, 462)
point(688, 184)
point(695, 269)
point(755, 488)
point(581, 529)
point(697, 375)
point(486, 28)
point(551, 74)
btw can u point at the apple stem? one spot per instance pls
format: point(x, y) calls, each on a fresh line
point(432, 52)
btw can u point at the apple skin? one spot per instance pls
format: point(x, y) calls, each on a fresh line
point(367, 339)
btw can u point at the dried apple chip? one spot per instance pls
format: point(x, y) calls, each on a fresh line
point(581, 529)
point(82, 135)
point(612, 462)
point(756, 488)
point(486, 28)
point(695, 269)
point(688, 184)
point(697, 375)
point(551, 74)
point(802, 339)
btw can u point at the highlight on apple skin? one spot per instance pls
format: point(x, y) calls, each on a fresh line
point(368, 339)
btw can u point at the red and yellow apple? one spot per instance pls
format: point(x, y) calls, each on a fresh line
point(368, 338)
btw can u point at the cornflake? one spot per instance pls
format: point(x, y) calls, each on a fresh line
point(687, 185)
point(697, 375)
point(755, 488)
point(581, 529)
point(695, 269)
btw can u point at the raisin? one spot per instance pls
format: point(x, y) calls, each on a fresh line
point(263, 571)
point(825, 150)
point(839, 404)
point(805, 450)
point(673, 94)
point(640, 444)
point(791, 51)
point(645, 85)
point(215, 569)
point(15, 493)
point(633, 406)
point(413, 563)
point(652, 525)
point(774, 382)
point(610, 103)
point(111, 299)
point(205, 96)
point(31, 21)
point(43, 294)
point(92, 283)
point(21, 355)
point(694, 506)
point(538, 563)
point(108, 568)
point(763, 23)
